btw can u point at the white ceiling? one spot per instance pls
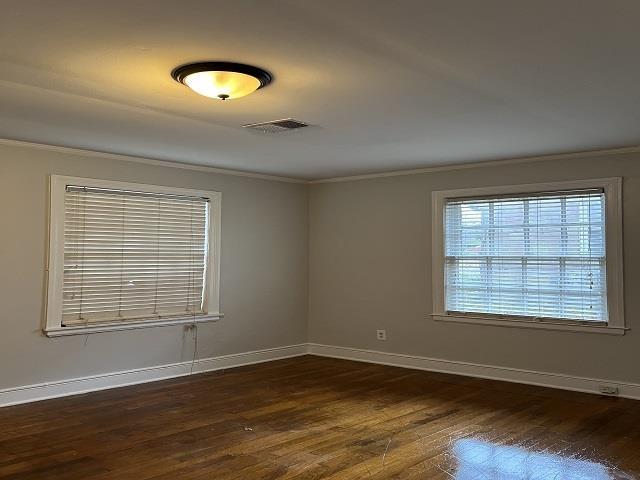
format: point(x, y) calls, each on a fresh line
point(390, 85)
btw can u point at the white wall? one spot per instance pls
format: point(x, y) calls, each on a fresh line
point(370, 268)
point(327, 263)
point(263, 271)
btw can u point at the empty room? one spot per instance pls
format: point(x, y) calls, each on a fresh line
point(304, 240)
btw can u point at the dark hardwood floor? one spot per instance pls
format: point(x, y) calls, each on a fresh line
point(311, 418)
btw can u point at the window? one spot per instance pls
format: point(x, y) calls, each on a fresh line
point(548, 256)
point(129, 256)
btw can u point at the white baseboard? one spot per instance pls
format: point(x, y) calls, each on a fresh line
point(74, 386)
point(543, 379)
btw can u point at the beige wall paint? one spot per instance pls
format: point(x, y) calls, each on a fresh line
point(329, 263)
point(263, 271)
point(370, 268)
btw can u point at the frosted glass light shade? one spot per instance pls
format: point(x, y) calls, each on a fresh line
point(222, 85)
point(222, 80)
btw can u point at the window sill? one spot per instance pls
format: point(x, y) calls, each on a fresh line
point(524, 323)
point(113, 327)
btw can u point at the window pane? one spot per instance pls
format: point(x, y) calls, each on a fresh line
point(535, 256)
point(131, 256)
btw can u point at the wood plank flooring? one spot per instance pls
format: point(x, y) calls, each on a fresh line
point(316, 418)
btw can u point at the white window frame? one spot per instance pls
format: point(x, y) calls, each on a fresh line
point(55, 258)
point(614, 253)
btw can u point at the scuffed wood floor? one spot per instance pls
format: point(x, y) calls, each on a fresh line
point(318, 418)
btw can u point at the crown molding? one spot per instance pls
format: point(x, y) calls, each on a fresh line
point(489, 163)
point(348, 178)
point(148, 161)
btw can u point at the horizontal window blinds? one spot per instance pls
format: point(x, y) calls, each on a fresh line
point(132, 255)
point(536, 255)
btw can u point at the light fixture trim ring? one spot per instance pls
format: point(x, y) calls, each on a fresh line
point(180, 73)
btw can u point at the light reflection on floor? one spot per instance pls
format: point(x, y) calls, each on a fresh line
point(481, 460)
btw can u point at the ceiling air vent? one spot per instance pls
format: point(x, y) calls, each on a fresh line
point(277, 125)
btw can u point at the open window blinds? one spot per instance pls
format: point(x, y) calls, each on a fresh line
point(130, 256)
point(535, 255)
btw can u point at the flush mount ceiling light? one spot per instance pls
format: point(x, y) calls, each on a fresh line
point(222, 80)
